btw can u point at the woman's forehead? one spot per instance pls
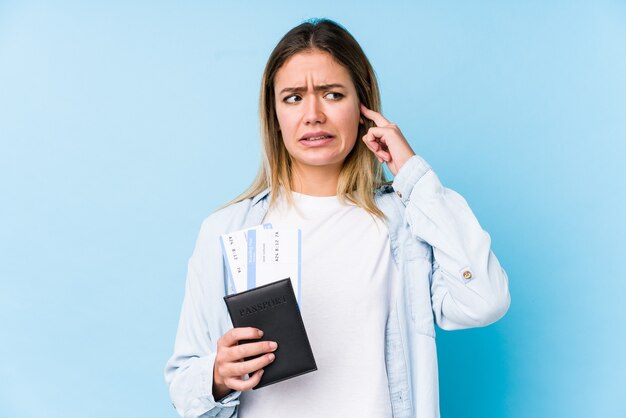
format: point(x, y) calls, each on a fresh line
point(311, 68)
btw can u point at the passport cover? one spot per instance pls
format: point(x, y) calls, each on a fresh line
point(273, 309)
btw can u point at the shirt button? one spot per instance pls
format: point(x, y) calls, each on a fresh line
point(399, 194)
point(467, 274)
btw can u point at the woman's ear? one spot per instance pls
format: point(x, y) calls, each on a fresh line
point(361, 121)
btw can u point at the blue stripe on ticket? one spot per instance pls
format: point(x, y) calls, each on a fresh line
point(300, 268)
point(251, 258)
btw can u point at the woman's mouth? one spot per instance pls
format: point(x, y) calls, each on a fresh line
point(317, 138)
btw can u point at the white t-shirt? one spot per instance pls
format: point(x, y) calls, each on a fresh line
point(348, 275)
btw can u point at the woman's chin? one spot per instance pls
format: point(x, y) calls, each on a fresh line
point(321, 161)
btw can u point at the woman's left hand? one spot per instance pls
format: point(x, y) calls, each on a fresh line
point(386, 141)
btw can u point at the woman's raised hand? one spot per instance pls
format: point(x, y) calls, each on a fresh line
point(230, 369)
point(386, 141)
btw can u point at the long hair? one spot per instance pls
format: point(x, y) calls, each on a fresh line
point(361, 172)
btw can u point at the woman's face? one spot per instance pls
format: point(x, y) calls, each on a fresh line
point(317, 109)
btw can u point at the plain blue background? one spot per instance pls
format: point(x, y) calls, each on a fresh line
point(123, 124)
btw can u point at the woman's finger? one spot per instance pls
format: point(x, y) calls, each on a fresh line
point(378, 151)
point(386, 141)
point(377, 146)
point(242, 368)
point(242, 351)
point(384, 155)
point(371, 142)
point(247, 384)
point(385, 134)
point(374, 116)
point(233, 336)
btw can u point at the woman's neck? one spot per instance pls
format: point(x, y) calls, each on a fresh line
point(315, 181)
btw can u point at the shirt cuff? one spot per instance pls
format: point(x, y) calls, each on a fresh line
point(230, 400)
point(202, 400)
point(411, 172)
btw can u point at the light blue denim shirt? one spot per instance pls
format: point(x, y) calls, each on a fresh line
point(448, 275)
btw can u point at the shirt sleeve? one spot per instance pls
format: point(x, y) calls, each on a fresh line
point(469, 288)
point(189, 371)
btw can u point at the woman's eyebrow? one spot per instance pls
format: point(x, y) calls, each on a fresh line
point(316, 88)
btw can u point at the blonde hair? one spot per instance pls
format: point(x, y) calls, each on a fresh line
point(361, 173)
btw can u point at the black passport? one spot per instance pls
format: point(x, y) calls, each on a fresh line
point(273, 309)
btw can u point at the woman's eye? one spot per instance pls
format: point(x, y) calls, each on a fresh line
point(333, 96)
point(292, 99)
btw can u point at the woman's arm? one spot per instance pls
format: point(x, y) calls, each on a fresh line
point(469, 288)
point(207, 371)
point(189, 372)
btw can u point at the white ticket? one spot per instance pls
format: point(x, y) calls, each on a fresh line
point(235, 251)
point(274, 254)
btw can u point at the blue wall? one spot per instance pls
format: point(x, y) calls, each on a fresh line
point(122, 126)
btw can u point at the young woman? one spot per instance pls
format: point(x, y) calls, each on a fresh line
point(381, 262)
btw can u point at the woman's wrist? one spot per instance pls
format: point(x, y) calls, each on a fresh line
point(219, 388)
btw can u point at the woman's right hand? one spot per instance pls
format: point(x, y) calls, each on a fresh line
point(230, 369)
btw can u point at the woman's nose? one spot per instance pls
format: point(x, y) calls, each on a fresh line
point(314, 113)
